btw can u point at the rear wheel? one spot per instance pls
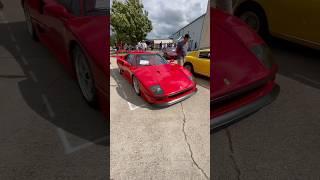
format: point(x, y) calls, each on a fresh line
point(84, 77)
point(136, 86)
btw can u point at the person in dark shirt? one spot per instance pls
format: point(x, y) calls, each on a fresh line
point(182, 48)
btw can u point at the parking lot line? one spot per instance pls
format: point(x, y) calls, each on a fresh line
point(33, 77)
point(307, 79)
point(67, 146)
point(25, 62)
point(13, 38)
point(48, 106)
point(18, 48)
point(132, 107)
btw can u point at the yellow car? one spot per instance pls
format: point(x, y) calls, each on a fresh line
point(198, 62)
point(293, 20)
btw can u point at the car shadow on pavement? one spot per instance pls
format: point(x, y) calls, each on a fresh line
point(202, 81)
point(49, 90)
point(296, 61)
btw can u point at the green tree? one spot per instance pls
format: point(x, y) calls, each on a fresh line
point(113, 40)
point(130, 21)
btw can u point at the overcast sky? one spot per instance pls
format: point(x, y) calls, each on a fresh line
point(168, 16)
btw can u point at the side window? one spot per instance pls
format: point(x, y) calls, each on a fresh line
point(73, 6)
point(131, 59)
point(204, 55)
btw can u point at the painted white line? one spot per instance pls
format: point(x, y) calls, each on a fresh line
point(48, 106)
point(82, 146)
point(64, 140)
point(25, 62)
point(307, 79)
point(13, 38)
point(18, 48)
point(33, 76)
point(132, 107)
point(67, 146)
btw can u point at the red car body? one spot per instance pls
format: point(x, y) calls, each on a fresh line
point(61, 31)
point(175, 81)
point(170, 53)
point(243, 73)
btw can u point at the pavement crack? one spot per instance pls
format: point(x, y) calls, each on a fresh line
point(235, 165)
point(188, 144)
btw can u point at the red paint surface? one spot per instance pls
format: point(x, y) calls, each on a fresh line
point(60, 33)
point(172, 78)
point(235, 63)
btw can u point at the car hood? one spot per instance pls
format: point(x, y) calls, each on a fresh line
point(234, 66)
point(171, 77)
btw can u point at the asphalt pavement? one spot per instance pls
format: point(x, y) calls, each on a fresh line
point(47, 131)
point(282, 140)
point(158, 143)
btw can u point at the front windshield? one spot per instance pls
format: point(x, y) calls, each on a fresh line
point(172, 49)
point(150, 60)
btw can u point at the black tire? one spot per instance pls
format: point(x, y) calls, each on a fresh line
point(136, 89)
point(189, 67)
point(30, 27)
point(89, 94)
point(247, 11)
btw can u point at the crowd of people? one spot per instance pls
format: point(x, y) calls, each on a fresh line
point(142, 46)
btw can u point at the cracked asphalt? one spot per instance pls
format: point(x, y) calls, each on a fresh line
point(47, 131)
point(282, 140)
point(151, 143)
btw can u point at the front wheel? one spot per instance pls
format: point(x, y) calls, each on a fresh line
point(189, 67)
point(136, 85)
point(84, 77)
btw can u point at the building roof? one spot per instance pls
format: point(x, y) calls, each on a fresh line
point(188, 24)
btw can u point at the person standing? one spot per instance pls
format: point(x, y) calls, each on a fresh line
point(160, 45)
point(182, 48)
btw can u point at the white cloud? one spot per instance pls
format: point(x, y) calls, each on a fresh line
point(168, 16)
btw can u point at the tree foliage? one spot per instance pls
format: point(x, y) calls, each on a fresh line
point(130, 21)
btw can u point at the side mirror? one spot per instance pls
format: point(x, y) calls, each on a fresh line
point(56, 10)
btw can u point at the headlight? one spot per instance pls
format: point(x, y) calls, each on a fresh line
point(262, 52)
point(156, 90)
